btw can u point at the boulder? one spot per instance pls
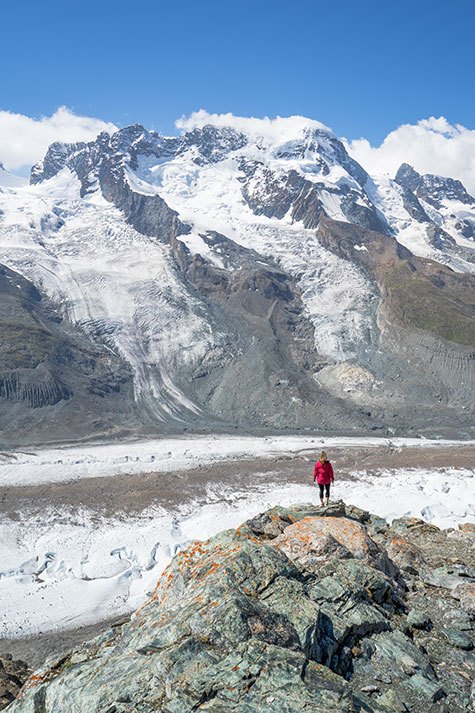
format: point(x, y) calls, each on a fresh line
point(405, 554)
point(465, 593)
point(311, 534)
point(418, 619)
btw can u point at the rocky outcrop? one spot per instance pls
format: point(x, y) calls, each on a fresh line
point(275, 194)
point(432, 189)
point(56, 158)
point(300, 608)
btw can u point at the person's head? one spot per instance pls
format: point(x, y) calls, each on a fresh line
point(323, 457)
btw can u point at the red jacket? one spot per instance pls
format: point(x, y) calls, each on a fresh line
point(323, 473)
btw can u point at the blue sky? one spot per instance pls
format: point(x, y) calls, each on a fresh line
point(362, 67)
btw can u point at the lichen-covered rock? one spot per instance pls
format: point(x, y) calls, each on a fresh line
point(299, 609)
point(309, 535)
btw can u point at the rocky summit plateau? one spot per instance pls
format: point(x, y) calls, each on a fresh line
point(299, 609)
point(250, 276)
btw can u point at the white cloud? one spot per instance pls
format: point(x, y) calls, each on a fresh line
point(272, 131)
point(431, 146)
point(24, 140)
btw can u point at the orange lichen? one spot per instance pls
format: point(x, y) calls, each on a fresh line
point(212, 568)
point(349, 533)
point(37, 679)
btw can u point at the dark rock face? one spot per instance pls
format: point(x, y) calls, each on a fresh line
point(432, 188)
point(300, 608)
point(13, 675)
point(274, 195)
point(408, 177)
point(149, 215)
point(56, 158)
point(48, 368)
point(271, 195)
point(212, 143)
point(103, 163)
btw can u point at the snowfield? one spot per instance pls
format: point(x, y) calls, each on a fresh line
point(69, 567)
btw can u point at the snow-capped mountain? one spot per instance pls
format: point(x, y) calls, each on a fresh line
point(251, 276)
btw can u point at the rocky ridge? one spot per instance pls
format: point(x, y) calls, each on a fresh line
point(249, 282)
point(300, 608)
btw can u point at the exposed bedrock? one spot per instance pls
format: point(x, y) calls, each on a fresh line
point(300, 608)
point(261, 371)
point(54, 382)
point(276, 194)
point(425, 361)
point(430, 188)
point(148, 214)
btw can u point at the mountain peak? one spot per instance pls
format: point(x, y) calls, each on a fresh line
point(431, 187)
point(270, 131)
point(408, 177)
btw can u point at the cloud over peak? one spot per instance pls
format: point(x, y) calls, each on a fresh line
point(273, 131)
point(432, 145)
point(24, 140)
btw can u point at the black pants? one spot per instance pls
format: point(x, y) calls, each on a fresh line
point(327, 489)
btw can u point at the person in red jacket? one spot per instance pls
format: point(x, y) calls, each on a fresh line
point(323, 475)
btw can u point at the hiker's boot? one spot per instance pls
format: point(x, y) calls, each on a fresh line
point(321, 502)
point(326, 502)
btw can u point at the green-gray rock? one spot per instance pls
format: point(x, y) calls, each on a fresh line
point(459, 639)
point(267, 618)
point(418, 619)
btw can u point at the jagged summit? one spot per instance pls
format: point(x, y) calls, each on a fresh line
point(408, 177)
point(271, 131)
point(250, 272)
point(434, 189)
